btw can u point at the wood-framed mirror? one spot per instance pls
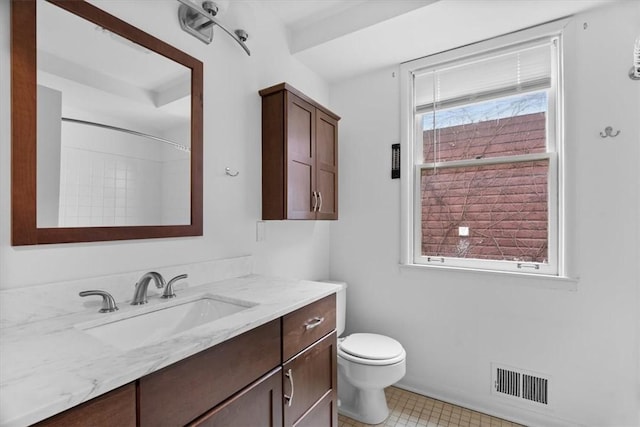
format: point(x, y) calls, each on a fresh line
point(97, 155)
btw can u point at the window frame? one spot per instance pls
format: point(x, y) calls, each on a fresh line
point(411, 127)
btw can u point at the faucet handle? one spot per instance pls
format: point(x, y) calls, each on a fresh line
point(168, 290)
point(108, 303)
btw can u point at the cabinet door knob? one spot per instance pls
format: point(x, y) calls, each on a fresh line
point(320, 196)
point(289, 398)
point(315, 201)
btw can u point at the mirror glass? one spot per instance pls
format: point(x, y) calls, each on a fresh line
point(113, 128)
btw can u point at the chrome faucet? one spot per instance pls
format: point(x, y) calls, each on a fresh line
point(140, 293)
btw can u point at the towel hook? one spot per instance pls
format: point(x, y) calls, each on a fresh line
point(608, 131)
point(228, 172)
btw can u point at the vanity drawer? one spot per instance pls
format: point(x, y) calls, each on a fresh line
point(307, 325)
point(178, 394)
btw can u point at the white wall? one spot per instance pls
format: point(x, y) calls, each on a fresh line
point(231, 138)
point(48, 182)
point(454, 324)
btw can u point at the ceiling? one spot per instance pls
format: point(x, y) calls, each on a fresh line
point(296, 14)
point(340, 39)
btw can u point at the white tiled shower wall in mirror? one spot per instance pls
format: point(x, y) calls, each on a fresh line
point(128, 181)
point(103, 189)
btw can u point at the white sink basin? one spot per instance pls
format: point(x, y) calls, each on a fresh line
point(152, 327)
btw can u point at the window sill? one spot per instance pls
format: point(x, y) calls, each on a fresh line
point(540, 281)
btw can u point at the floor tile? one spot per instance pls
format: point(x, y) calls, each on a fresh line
point(409, 409)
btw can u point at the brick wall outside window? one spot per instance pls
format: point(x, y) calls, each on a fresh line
point(504, 206)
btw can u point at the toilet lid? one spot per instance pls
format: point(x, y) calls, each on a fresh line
point(371, 346)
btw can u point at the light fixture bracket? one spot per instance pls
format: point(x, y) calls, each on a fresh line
point(200, 20)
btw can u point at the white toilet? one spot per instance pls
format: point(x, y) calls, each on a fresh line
point(367, 363)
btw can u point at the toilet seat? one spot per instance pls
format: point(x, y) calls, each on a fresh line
point(371, 349)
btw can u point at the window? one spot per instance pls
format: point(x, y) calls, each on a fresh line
point(483, 143)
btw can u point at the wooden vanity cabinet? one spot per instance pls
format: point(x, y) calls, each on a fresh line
point(309, 348)
point(282, 373)
point(299, 156)
point(115, 408)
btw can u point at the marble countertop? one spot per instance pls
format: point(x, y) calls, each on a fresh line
point(49, 365)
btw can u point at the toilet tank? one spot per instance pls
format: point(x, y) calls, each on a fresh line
point(341, 305)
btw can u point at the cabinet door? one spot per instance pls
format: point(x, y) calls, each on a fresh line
point(327, 165)
point(309, 385)
point(301, 147)
point(258, 405)
point(116, 408)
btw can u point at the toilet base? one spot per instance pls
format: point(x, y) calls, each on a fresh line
point(368, 406)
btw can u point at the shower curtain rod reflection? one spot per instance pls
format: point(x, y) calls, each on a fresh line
point(129, 131)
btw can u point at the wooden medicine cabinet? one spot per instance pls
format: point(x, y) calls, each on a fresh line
point(299, 156)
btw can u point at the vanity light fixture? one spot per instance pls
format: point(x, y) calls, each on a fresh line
point(200, 20)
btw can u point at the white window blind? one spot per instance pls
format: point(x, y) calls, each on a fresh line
point(520, 69)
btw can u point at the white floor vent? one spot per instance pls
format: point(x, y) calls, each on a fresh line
point(519, 385)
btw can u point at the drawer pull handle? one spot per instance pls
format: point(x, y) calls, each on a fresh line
point(316, 321)
point(289, 399)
